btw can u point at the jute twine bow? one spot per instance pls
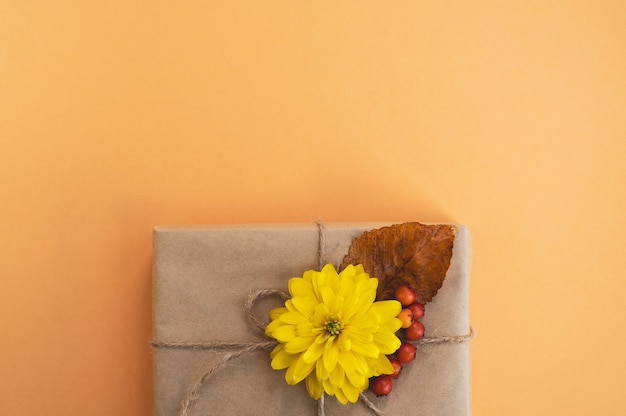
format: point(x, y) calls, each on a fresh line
point(235, 349)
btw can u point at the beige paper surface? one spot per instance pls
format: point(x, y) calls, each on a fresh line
point(202, 276)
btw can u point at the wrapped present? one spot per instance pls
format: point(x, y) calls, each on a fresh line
point(203, 277)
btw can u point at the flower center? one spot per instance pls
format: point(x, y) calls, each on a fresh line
point(333, 326)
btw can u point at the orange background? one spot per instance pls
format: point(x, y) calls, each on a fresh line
point(508, 117)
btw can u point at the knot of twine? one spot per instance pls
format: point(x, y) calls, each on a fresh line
point(235, 349)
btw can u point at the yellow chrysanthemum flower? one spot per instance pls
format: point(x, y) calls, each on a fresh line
point(333, 334)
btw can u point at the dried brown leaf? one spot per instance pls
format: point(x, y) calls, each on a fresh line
point(411, 253)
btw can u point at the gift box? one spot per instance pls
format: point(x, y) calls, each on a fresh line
point(202, 278)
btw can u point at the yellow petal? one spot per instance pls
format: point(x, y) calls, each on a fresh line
point(317, 283)
point(328, 277)
point(346, 286)
point(321, 336)
point(369, 322)
point(289, 305)
point(348, 272)
point(309, 275)
point(329, 269)
point(343, 342)
point(306, 330)
point(293, 318)
point(330, 272)
point(380, 365)
point(350, 307)
point(272, 327)
point(386, 308)
point(340, 396)
point(320, 315)
point(314, 387)
point(329, 387)
point(300, 287)
point(283, 333)
point(328, 297)
point(337, 306)
point(298, 344)
point(313, 352)
point(283, 360)
point(366, 349)
point(338, 376)
point(278, 348)
point(331, 354)
point(360, 364)
point(387, 343)
point(298, 371)
point(363, 283)
point(365, 296)
point(347, 361)
point(358, 380)
point(320, 372)
point(391, 325)
point(358, 335)
point(276, 312)
point(351, 392)
point(304, 305)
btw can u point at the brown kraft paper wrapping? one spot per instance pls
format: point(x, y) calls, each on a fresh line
point(202, 277)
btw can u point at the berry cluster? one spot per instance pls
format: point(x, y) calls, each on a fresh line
point(410, 317)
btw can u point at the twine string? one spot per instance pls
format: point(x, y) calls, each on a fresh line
point(321, 250)
point(456, 339)
point(320, 405)
point(193, 393)
point(219, 346)
point(236, 349)
point(251, 300)
point(375, 410)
